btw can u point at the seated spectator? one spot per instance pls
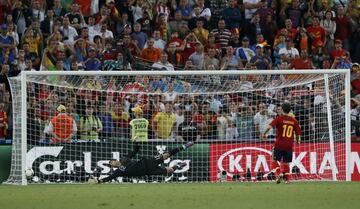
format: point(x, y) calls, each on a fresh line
point(197, 57)
point(338, 50)
point(158, 41)
point(302, 62)
point(261, 61)
point(174, 25)
point(235, 38)
point(92, 62)
point(222, 35)
point(139, 36)
point(289, 51)
point(244, 53)
point(230, 61)
point(211, 60)
point(317, 32)
point(150, 53)
point(187, 130)
point(184, 8)
point(163, 63)
point(200, 32)
point(164, 123)
point(175, 58)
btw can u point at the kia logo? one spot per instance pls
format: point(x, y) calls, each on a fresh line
point(234, 159)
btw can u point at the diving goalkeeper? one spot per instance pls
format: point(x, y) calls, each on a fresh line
point(146, 166)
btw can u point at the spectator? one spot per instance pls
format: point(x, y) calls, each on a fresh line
point(105, 118)
point(330, 27)
point(289, 51)
point(200, 32)
point(343, 27)
point(62, 127)
point(3, 123)
point(7, 46)
point(76, 19)
point(197, 57)
point(244, 53)
point(204, 12)
point(222, 35)
point(261, 61)
point(184, 8)
point(139, 36)
point(59, 11)
point(338, 50)
point(150, 53)
point(210, 61)
point(164, 123)
point(295, 13)
point(92, 62)
point(37, 11)
point(317, 32)
point(163, 63)
point(230, 61)
point(175, 57)
point(69, 32)
point(261, 119)
point(121, 120)
point(251, 7)
point(187, 130)
point(174, 25)
point(90, 126)
point(302, 62)
point(245, 123)
point(232, 16)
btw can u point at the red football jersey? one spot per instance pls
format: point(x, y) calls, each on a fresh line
point(286, 128)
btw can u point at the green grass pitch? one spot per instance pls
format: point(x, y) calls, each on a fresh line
point(308, 195)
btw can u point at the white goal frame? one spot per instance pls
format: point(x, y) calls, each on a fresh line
point(346, 72)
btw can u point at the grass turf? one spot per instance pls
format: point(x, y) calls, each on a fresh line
point(307, 195)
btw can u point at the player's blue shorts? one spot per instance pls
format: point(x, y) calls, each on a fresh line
point(285, 156)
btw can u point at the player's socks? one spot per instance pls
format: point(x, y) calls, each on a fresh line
point(286, 170)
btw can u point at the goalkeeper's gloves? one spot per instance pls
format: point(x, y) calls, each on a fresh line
point(187, 145)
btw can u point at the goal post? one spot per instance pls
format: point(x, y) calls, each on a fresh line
point(225, 107)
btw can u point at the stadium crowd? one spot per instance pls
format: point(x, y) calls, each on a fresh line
point(106, 35)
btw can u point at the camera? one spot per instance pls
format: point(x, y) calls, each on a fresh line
point(221, 177)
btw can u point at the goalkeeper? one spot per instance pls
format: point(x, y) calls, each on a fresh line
point(128, 167)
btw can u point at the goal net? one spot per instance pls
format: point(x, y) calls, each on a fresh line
point(68, 125)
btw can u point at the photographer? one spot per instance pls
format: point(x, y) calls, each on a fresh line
point(90, 126)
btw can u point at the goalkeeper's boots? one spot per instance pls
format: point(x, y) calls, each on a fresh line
point(279, 178)
point(93, 180)
point(188, 145)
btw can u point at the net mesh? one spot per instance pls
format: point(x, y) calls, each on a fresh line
point(76, 123)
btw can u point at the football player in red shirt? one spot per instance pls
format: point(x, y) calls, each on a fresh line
point(287, 129)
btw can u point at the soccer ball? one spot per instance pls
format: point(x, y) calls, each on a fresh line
point(29, 173)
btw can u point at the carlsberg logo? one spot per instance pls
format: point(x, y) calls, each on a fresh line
point(54, 167)
point(48, 166)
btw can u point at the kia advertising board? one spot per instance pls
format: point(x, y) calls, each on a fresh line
point(314, 162)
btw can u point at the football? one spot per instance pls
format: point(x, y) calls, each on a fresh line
point(29, 173)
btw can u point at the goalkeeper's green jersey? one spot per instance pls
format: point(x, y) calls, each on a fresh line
point(139, 129)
